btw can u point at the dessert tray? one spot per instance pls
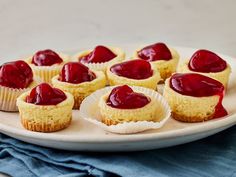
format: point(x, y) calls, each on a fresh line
point(82, 135)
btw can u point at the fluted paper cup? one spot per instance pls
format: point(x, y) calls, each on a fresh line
point(89, 111)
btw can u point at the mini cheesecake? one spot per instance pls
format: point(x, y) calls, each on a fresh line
point(45, 109)
point(100, 57)
point(209, 64)
point(135, 73)
point(46, 64)
point(194, 97)
point(79, 80)
point(165, 59)
point(123, 104)
point(16, 77)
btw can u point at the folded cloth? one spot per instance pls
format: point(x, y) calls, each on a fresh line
point(213, 156)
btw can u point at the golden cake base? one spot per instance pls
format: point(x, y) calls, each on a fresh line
point(165, 67)
point(45, 118)
point(222, 76)
point(82, 90)
point(187, 108)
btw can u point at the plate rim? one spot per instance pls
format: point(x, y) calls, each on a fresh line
point(210, 125)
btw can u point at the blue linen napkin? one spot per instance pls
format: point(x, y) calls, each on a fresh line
point(214, 156)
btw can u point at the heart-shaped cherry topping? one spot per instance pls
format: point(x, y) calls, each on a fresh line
point(16, 74)
point(206, 61)
point(44, 94)
point(99, 55)
point(123, 97)
point(46, 58)
point(198, 85)
point(133, 69)
point(158, 51)
point(75, 73)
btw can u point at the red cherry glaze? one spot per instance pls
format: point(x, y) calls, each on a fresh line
point(99, 55)
point(197, 85)
point(75, 73)
point(133, 69)
point(206, 61)
point(123, 97)
point(158, 51)
point(46, 58)
point(16, 74)
point(44, 94)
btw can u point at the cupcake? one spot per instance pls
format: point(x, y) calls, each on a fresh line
point(135, 73)
point(123, 104)
point(16, 77)
point(46, 64)
point(165, 59)
point(194, 97)
point(79, 80)
point(100, 57)
point(45, 109)
point(209, 64)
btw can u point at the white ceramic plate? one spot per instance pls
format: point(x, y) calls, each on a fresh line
point(85, 136)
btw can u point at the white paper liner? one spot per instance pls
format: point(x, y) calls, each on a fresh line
point(46, 73)
point(103, 65)
point(89, 111)
point(8, 96)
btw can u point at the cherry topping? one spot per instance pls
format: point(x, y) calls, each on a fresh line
point(16, 74)
point(197, 85)
point(158, 51)
point(44, 94)
point(46, 58)
point(206, 61)
point(133, 69)
point(98, 55)
point(124, 97)
point(75, 72)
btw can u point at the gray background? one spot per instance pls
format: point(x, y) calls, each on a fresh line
point(29, 25)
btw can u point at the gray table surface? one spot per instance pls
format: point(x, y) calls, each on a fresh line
point(29, 25)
